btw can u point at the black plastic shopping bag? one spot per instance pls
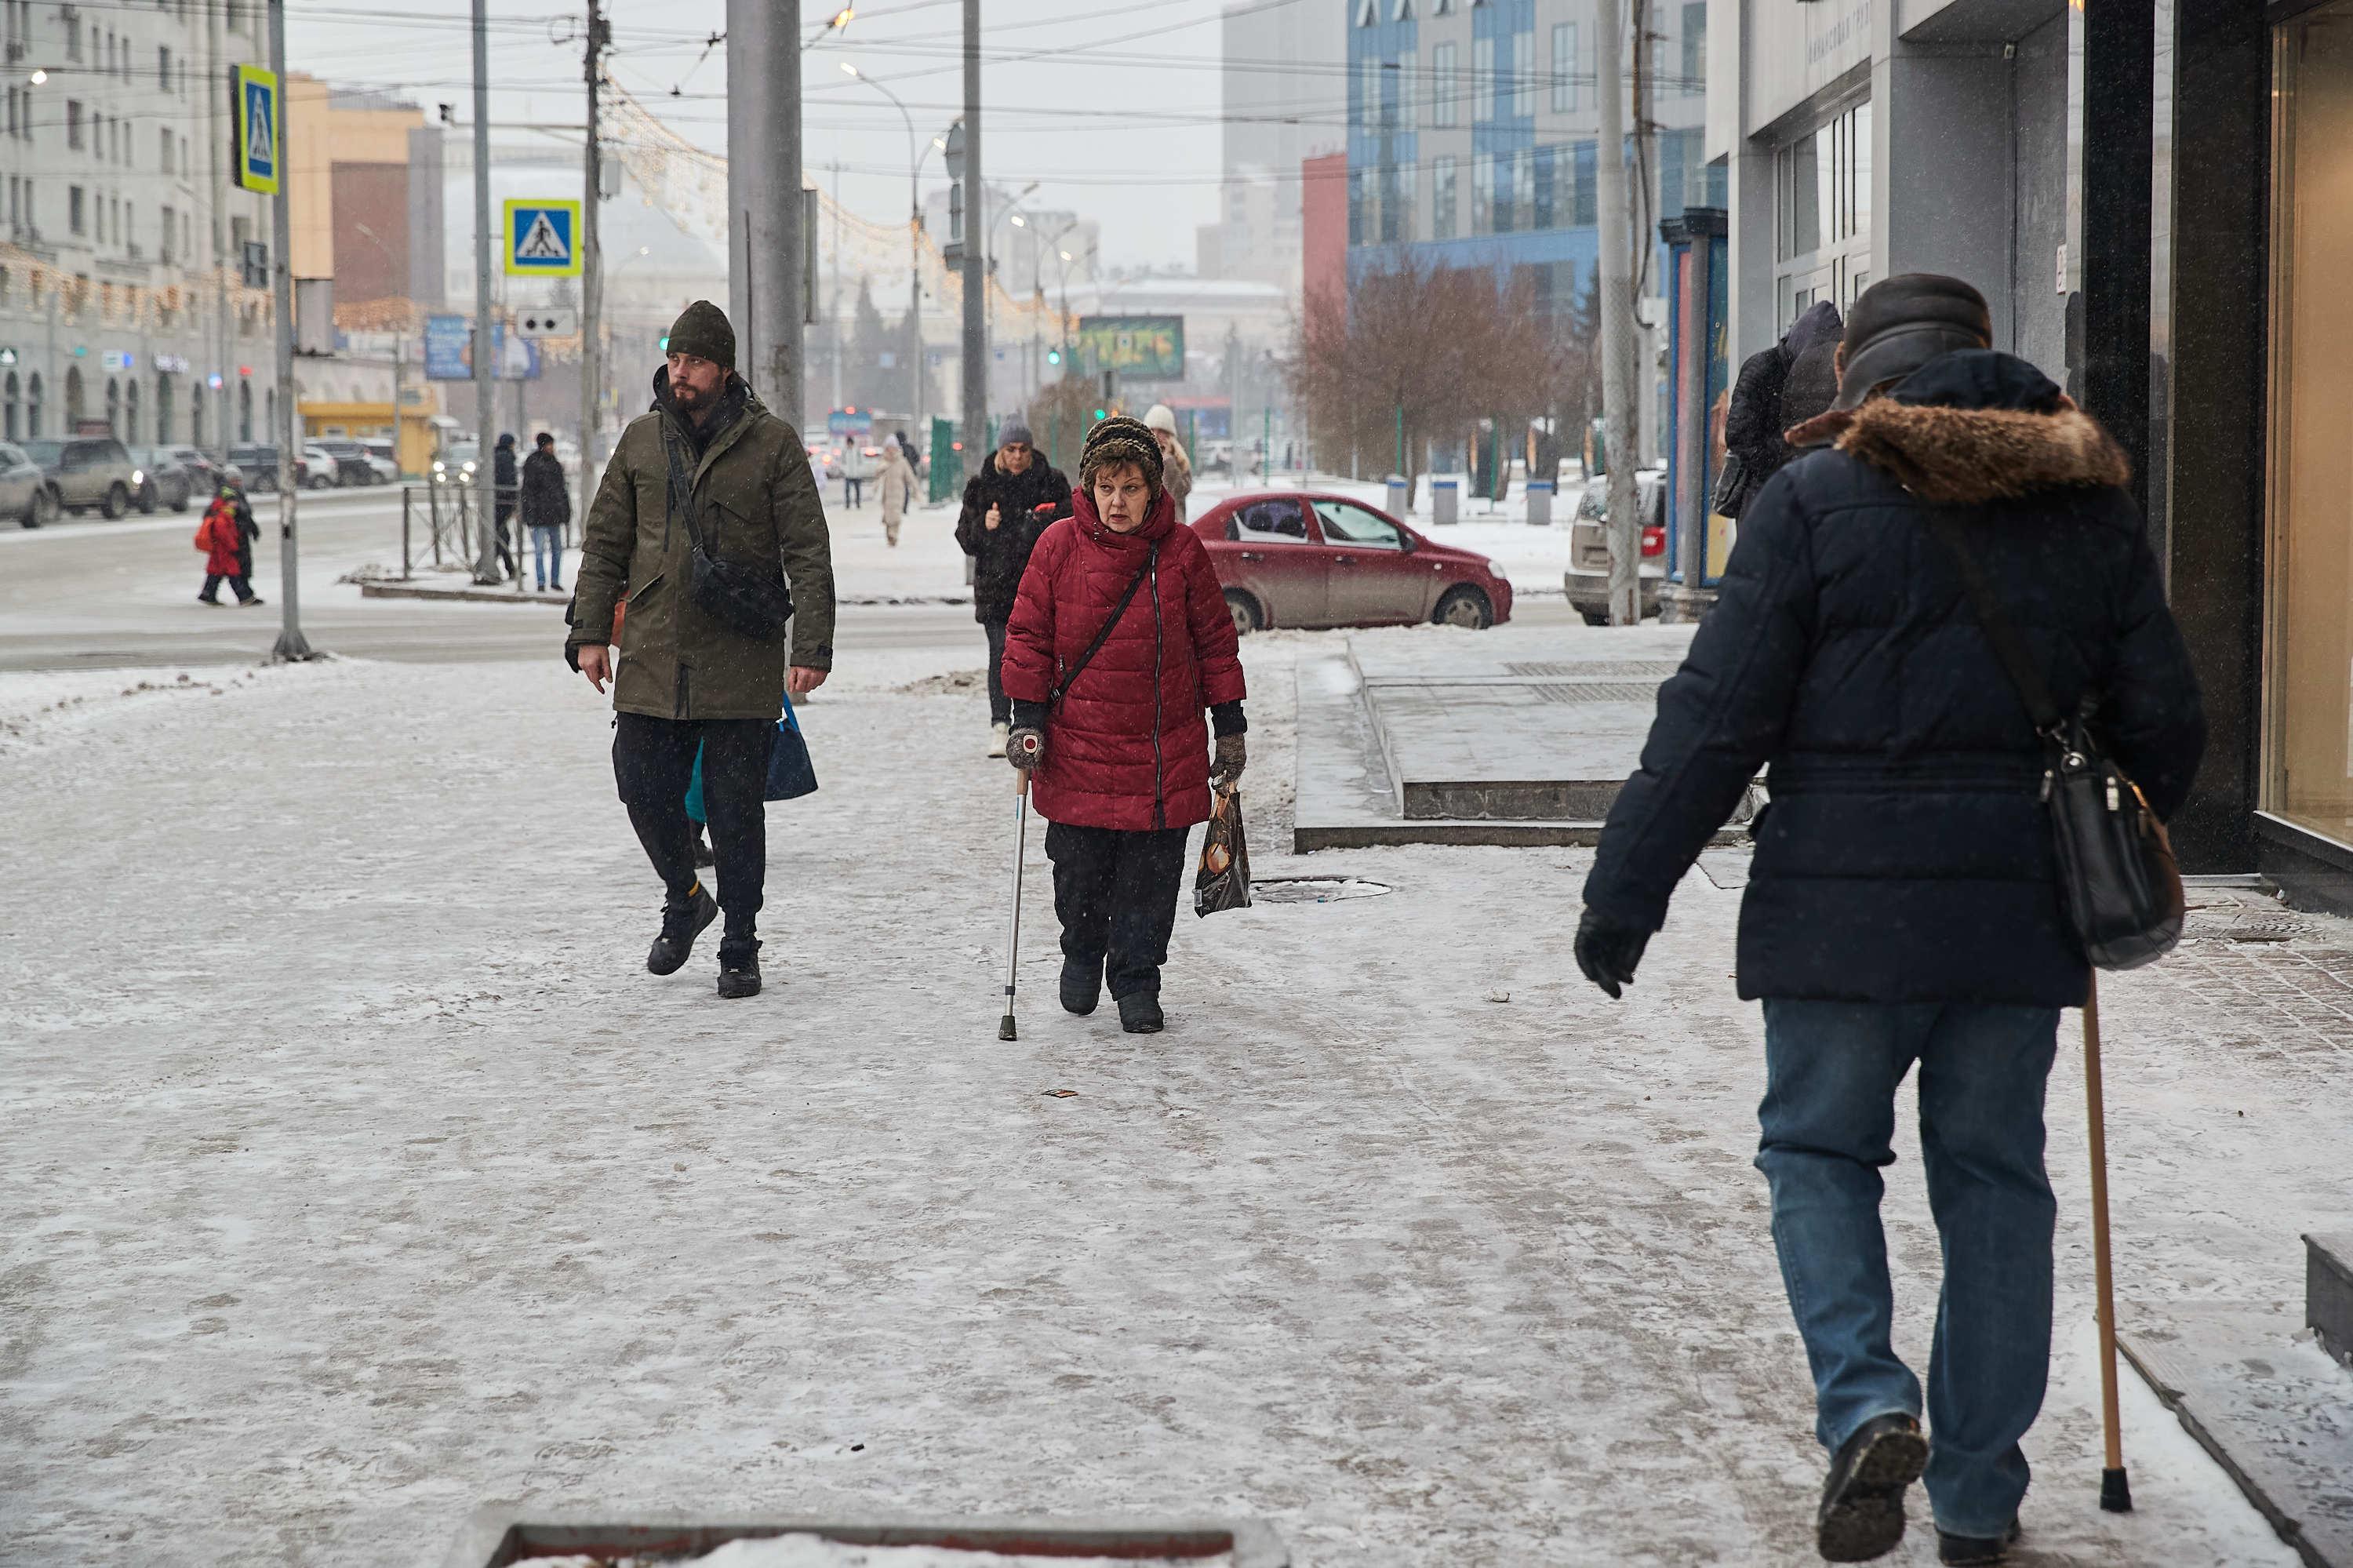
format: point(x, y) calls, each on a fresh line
point(791, 774)
point(1224, 880)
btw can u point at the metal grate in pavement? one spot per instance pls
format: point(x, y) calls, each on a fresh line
point(1662, 667)
point(1597, 691)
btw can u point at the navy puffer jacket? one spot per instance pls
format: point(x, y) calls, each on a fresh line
point(1906, 854)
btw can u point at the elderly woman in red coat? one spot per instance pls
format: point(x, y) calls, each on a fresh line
point(1120, 637)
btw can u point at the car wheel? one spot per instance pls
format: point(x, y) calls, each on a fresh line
point(118, 500)
point(147, 499)
point(42, 508)
point(181, 503)
point(1595, 617)
point(1247, 617)
point(1465, 607)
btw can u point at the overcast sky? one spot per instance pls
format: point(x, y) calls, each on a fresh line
point(1112, 107)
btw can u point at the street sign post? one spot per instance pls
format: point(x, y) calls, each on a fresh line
point(543, 238)
point(255, 122)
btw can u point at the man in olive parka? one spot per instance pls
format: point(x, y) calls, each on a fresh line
point(687, 680)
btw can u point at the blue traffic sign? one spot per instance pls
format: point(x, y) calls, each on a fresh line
point(543, 238)
point(257, 125)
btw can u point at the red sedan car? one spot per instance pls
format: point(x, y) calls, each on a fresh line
point(1307, 560)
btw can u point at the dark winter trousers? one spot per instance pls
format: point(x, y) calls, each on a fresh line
point(210, 592)
point(653, 763)
point(1116, 894)
point(1000, 706)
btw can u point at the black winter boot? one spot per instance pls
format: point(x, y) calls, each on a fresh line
point(739, 965)
point(1081, 987)
point(1861, 1516)
point(682, 921)
point(1139, 1013)
point(1975, 1551)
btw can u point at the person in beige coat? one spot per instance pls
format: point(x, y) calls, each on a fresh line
point(897, 486)
point(1177, 469)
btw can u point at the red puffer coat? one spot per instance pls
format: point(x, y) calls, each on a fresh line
point(1128, 748)
point(219, 537)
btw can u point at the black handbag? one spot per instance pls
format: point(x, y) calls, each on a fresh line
point(2117, 877)
point(1731, 486)
point(749, 602)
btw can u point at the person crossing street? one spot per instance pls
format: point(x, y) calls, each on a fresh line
point(707, 517)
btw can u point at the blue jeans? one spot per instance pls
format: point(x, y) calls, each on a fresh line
point(547, 554)
point(1833, 1069)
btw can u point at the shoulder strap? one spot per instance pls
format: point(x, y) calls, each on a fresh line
point(682, 488)
point(2007, 646)
point(1054, 698)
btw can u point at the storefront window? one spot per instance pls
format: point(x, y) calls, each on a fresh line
point(2309, 672)
point(1822, 221)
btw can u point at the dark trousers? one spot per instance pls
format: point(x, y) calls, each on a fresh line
point(210, 592)
point(653, 763)
point(1115, 893)
point(507, 561)
point(1000, 706)
point(853, 492)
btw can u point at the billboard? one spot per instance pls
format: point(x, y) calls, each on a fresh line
point(450, 351)
point(1135, 348)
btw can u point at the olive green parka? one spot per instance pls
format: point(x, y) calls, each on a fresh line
point(757, 506)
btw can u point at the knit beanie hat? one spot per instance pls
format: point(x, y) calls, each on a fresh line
point(701, 330)
point(1120, 440)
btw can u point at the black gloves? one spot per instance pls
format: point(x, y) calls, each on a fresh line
point(1608, 952)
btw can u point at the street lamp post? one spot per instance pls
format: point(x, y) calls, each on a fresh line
point(916, 156)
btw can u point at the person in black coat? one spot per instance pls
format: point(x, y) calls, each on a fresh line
point(502, 497)
point(1902, 907)
point(546, 508)
point(1007, 506)
point(1767, 397)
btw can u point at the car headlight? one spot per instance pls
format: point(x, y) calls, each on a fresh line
point(137, 477)
point(470, 465)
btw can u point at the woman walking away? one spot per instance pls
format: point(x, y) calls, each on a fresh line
point(1175, 468)
point(898, 485)
point(226, 537)
point(1772, 394)
point(1118, 754)
point(1007, 508)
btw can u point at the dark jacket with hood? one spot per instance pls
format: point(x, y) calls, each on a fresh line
point(502, 475)
point(1905, 854)
point(1753, 419)
point(546, 502)
point(1000, 554)
point(757, 506)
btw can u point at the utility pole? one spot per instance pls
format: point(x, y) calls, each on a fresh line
point(976, 242)
point(1622, 444)
point(292, 644)
point(766, 294)
point(833, 310)
point(486, 411)
point(592, 279)
point(221, 232)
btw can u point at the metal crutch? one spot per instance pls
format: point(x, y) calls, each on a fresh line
point(1006, 1028)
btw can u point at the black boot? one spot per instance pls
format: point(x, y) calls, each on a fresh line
point(1861, 1516)
point(682, 922)
point(1139, 1013)
point(1975, 1551)
point(739, 965)
point(1082, 986)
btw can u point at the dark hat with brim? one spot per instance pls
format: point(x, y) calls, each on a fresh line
point(702, 330)
point(1901, 324)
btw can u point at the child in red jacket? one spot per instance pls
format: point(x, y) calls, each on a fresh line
point(1120, 637)
point(226, 537)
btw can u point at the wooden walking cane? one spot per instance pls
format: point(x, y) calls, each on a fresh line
point(1006, 1027)
point(2116, 1490)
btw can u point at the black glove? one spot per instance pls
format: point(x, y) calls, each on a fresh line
point(1608, 951)
point(1026, 747)
point(1233, 756)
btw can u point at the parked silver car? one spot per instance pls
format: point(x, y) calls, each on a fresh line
point(24, 489)
point(168, 481)
point(1588, 578)
point(84, 472)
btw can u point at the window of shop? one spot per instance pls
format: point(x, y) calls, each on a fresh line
point(1823, 214)
point(2308, 664)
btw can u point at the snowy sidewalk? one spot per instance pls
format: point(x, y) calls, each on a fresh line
point(358, 1174)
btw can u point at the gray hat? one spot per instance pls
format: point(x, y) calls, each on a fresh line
point(1900, 323)
point(1014, 431)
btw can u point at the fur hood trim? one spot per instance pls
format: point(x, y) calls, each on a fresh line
point(1970, 455)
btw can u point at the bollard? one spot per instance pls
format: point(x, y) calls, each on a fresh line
point(1539, 505)
point(1445, 502)
point(1398, 490)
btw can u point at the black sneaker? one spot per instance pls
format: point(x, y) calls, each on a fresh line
point(1861, 1516)
point(739, 966)
point(1081, 987)
point(682, 924)
point(1140, 1013)
point(1977, 1550)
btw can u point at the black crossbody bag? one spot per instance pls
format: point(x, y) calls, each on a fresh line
point(2117, 877)
point(746, 601)
point(1061, 688)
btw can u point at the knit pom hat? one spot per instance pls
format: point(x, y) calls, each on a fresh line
point(1120, 440)
point(702, 330)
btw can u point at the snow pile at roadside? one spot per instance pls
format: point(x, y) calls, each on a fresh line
point(802, 1551)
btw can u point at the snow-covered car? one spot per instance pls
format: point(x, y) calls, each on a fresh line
point(1588, 578)
point(165, 481)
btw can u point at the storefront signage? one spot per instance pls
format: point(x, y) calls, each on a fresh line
point(116, 360)
point(171, 365)
point(450, 351)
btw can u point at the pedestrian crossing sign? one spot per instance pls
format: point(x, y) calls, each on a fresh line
point(543, 238)
point(253, 121)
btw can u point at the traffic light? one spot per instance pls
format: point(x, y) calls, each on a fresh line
point(1054, 356)
point(1099, 414)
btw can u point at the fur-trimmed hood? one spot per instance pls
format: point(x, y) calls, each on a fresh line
point(1974, 427)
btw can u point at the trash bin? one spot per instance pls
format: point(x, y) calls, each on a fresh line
point(1540, 504)
point(1445, 501)
point(1399, 489)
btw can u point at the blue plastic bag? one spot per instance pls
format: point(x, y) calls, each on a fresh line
point(791, 774)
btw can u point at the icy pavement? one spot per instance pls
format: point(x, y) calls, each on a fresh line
point(357, 1174)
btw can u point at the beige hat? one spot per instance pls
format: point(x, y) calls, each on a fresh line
point(1161, 418)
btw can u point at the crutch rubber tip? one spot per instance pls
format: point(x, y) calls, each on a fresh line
point(1005, 1031)
point(2115, 1492)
